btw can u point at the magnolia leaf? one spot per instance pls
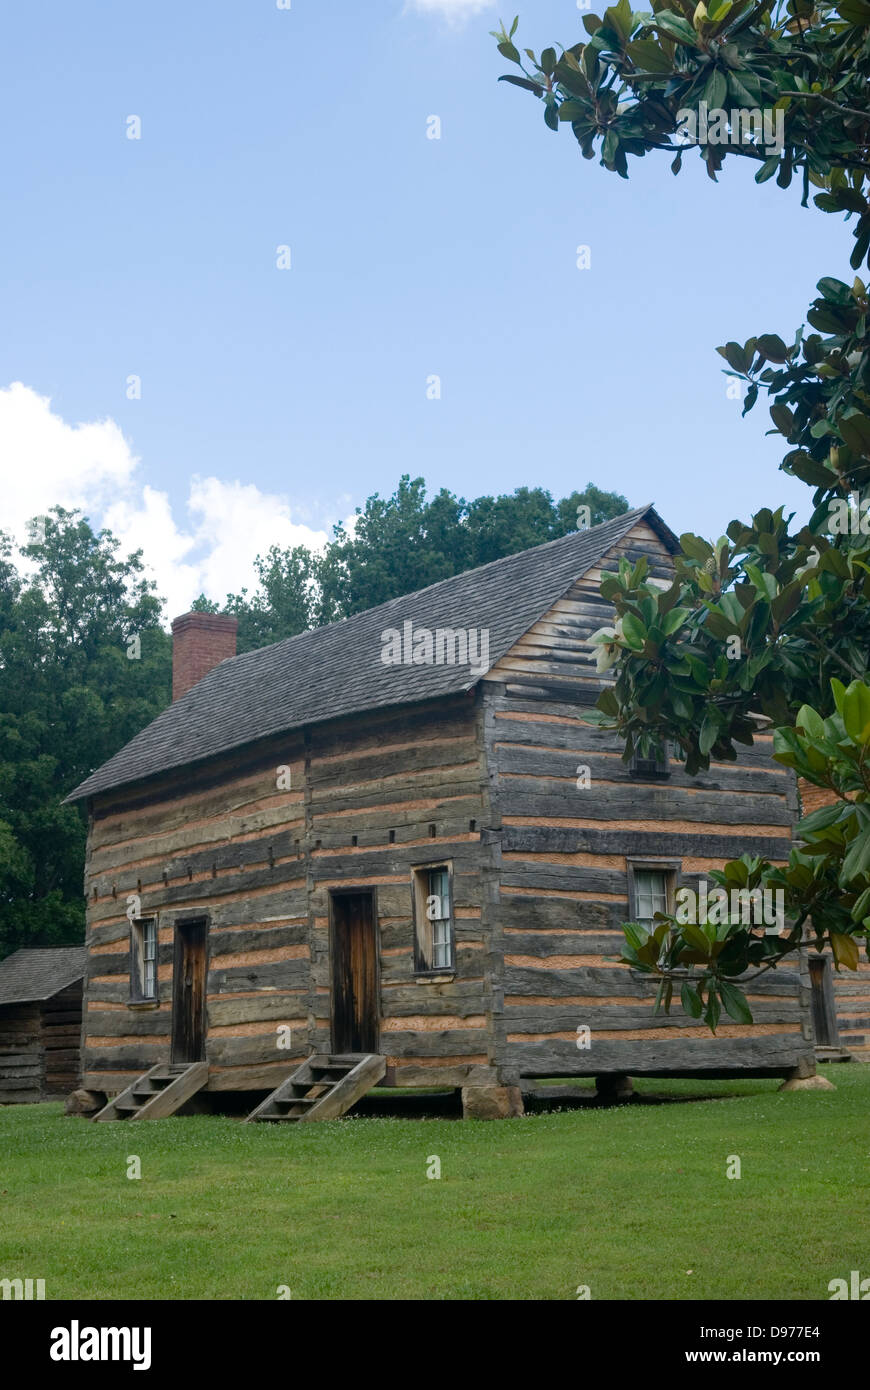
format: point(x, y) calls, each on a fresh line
point(648, 56)
point(845, 950)
point(690, 1000)
point(855, 430)
point(634, 632)
point(677, 27)
point(735, 1003)
point(856, 712)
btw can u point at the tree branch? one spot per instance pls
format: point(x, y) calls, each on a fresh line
point(826, 101)
point(857, 675)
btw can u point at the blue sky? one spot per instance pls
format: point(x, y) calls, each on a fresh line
point(274, 401)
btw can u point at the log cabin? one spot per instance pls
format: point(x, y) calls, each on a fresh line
point(390, 851)
point(40, 1023)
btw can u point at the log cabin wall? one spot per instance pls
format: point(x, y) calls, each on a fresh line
point(40, 1047)
point(852, 1003)
point(368, 798)
point(22, 1065)
point(224, 840)
point(61, 1025)
point(564, 864)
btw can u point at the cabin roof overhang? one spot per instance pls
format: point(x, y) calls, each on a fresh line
point(33, 974)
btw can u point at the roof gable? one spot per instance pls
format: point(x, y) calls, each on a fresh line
point(556, 648)
point(339, 669)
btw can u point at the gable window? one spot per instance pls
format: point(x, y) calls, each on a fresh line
point(433, 918)
point(654, 763)
point(143, 959)
point(651, 888)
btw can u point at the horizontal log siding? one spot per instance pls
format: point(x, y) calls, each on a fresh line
point(260, 861)
point(40, 1047)
point(563, 878)
point(222, 839)
point(852, 1001)
point(390, 782)
point(22, 1054)
point(61, 1018)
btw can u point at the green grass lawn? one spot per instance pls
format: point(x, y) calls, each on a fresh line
point(632, 1201)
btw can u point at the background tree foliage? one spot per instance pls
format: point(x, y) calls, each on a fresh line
point(771, 623)
point(69, 697)
point(400, 544)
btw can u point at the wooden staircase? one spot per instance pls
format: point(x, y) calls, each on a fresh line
point(160, 1092)
point(323, 1088)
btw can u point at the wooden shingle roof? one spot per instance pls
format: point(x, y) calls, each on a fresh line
point(33, 974)
point(337, 670)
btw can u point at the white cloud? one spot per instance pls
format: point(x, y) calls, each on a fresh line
point(454, 11)
point(210, 547)
point(47, 461)
point(227, 525)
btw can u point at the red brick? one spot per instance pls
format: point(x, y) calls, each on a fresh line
point(199, 642)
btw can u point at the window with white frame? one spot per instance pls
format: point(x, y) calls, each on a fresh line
point(650, 893)
point(438, 912)
point(143, 959)
point(433, 917)
point(651, 889)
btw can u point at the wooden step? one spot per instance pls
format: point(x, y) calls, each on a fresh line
point(160, 1092)
point(346, 1080)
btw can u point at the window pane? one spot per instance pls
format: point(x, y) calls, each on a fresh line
point(442, 949)
point(442, 946)
point(439, 885)
point(651, 893)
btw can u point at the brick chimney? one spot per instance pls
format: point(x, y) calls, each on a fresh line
point(199, 642)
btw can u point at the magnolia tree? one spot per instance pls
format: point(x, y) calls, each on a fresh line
point(770, 624)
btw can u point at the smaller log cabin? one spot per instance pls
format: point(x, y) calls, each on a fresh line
point(41, 1023)
point(396, 837)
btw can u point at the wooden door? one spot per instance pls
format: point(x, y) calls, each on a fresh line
point(188, 991)
point(823, 1003)
point(354, 972)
